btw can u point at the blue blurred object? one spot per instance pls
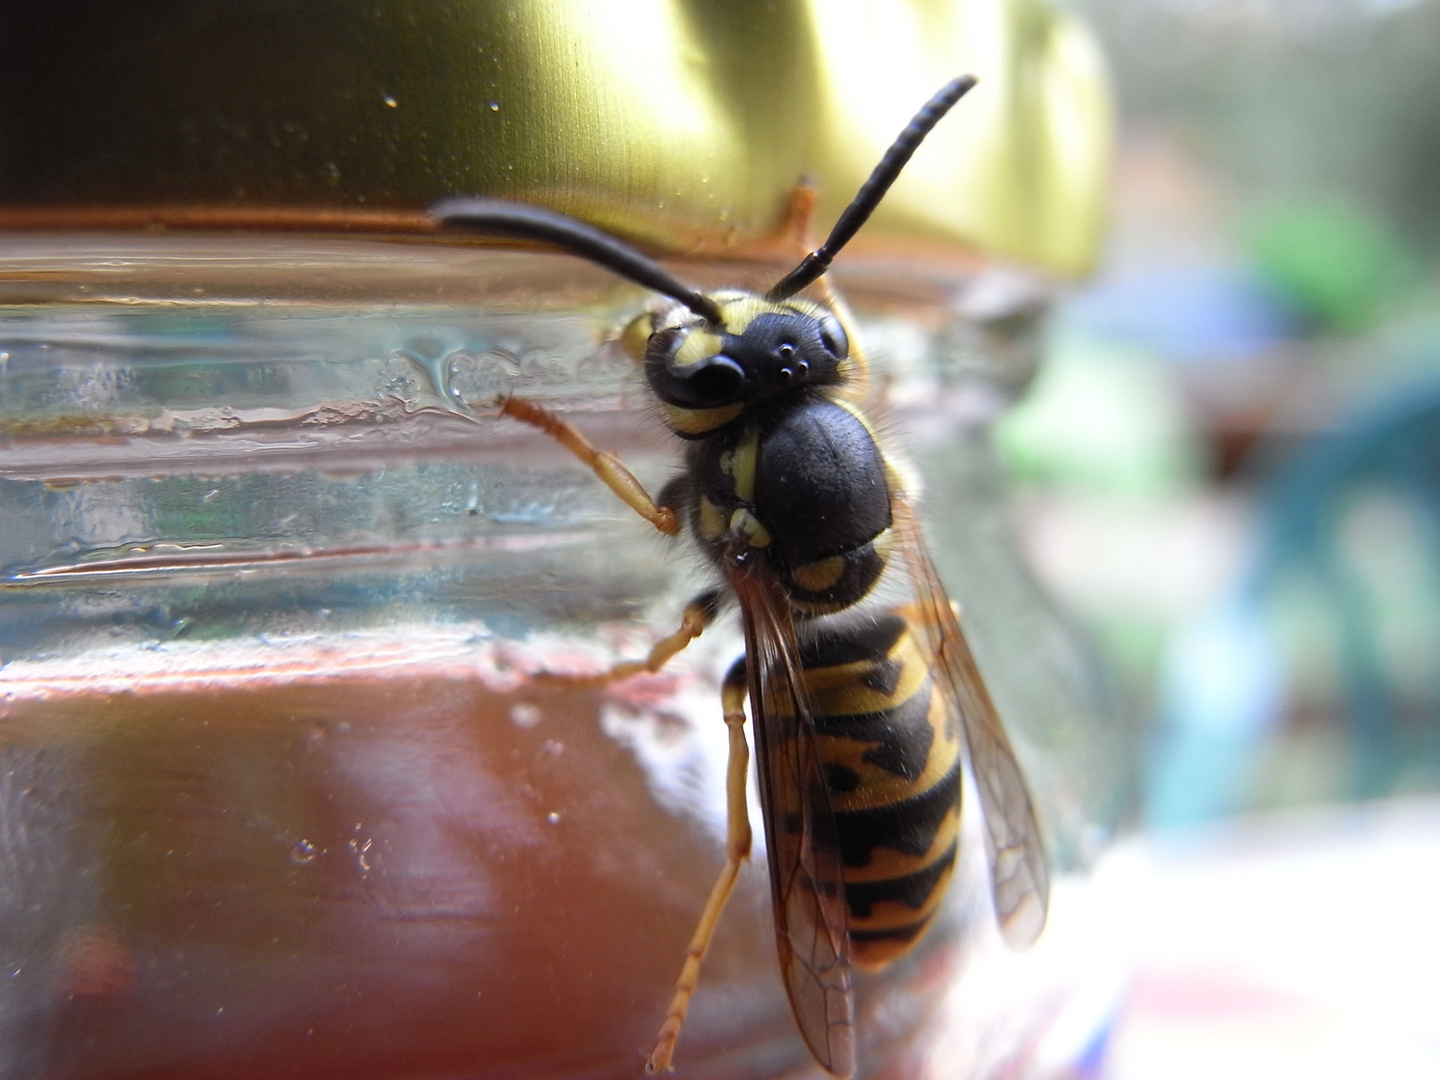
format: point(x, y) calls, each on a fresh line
point(1188, 313)
point(1224, 684)
point(1222, 689)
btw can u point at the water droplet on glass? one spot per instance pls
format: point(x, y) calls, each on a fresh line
point(389, 100)
point(553, 818)
point(362, 853)
point(303, 852)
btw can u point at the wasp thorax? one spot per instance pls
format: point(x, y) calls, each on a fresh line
point(762, 349)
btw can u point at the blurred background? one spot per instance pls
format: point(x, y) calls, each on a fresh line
point(1230, 474)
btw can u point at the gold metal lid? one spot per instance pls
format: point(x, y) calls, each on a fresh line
point(681, 124)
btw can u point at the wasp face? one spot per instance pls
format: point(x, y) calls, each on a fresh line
point(762, 349)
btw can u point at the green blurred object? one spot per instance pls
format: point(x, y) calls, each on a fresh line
point(1104, 420)
point(1337, 266)
point(683, 124)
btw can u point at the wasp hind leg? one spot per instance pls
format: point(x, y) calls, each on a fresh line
point(737, 850)
point(603, 464)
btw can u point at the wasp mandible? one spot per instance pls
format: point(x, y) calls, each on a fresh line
point(859, 706)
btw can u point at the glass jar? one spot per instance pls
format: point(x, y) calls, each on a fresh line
point(285, 792)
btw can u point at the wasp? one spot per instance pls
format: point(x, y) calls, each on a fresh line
point(864, 707)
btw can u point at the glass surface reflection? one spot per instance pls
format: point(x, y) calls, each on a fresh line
point(280, 793)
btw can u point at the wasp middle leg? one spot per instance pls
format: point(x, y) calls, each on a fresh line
point(699, 613)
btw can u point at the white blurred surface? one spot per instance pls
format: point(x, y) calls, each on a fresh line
point(1297, 945)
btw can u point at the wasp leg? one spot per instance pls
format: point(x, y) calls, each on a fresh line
point(699, 613)
point(737, 850)
point(604, 464)
point(800, 215)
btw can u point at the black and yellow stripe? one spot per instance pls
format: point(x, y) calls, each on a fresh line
point(891, 750)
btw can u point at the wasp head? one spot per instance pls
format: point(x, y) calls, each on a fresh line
point(759, 350)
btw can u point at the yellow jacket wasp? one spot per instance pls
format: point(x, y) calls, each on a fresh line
point(859, 709)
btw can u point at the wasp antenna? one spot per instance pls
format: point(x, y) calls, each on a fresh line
point(499, 217)
point(872, 191)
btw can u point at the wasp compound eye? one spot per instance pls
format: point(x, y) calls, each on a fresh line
point(832, 337)
point(701, 383)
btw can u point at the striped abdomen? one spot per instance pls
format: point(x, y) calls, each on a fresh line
point(891, 751)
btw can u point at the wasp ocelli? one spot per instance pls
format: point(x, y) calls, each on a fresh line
point(863, 711)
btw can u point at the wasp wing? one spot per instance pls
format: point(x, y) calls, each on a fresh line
point(806, 888)
point(1019, 872)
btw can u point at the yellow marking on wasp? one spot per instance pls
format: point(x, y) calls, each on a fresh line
point(636, 336)
point(839, 690)
point(710, 520)
point(698, 421)
point(819, 575)
point(747, 527)
point(884, 545)
point(741, 309)
point(697, 345)
point(740, 462)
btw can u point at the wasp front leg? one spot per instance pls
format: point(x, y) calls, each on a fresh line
point(737, 850)
point(602, 463)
